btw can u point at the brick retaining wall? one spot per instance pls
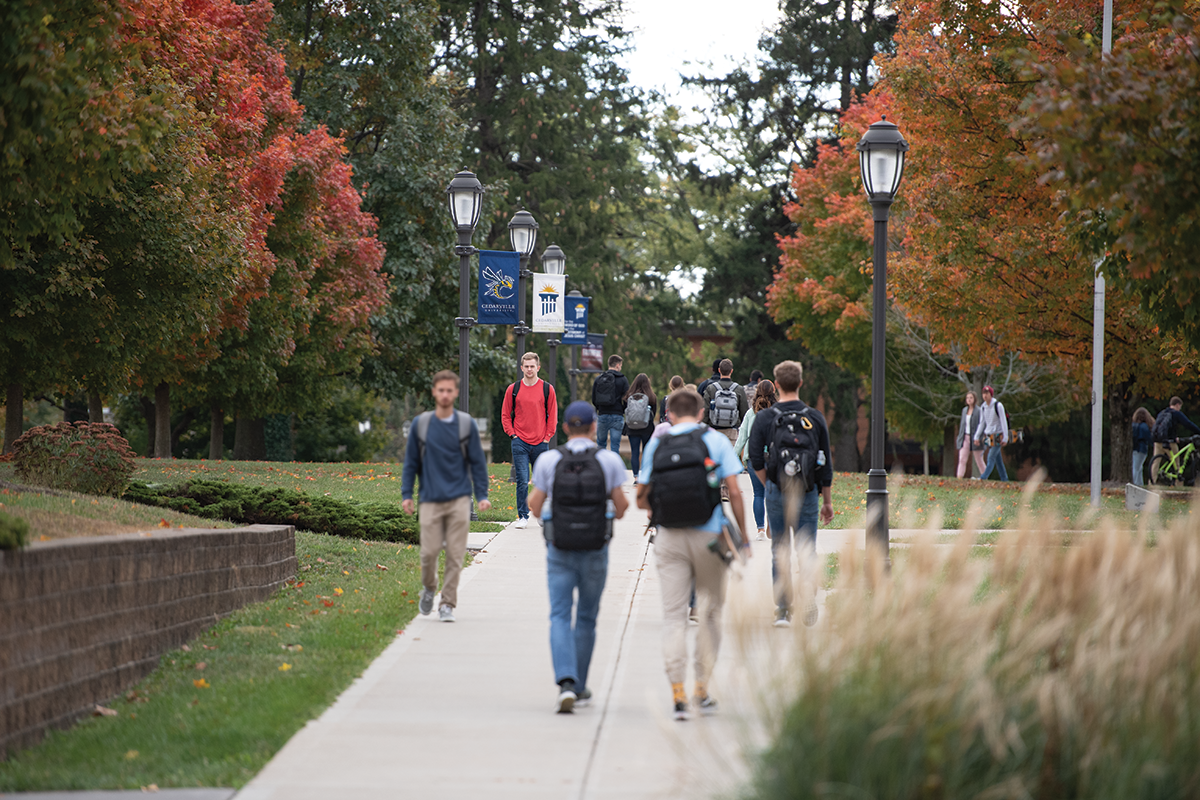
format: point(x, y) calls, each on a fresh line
point(82, 620)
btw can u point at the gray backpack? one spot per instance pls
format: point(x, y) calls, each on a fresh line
point(638, 412)
point(421, 428)
point(723, 411)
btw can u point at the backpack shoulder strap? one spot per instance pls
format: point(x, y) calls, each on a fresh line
point(464, 435)
point(546, 400)
point(421, 427)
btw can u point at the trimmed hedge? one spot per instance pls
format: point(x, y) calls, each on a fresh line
point(14, 532)
point(254, 505)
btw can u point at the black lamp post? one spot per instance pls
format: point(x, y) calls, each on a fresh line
point(554, 262)
point(465, 194)
point(881, 161)
point(522, 232)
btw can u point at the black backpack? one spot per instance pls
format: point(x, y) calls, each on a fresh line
point(604, 390)
point(684, 484)
point(793, 450)
point(579, 503)
point(516, 387)
point(1162, 426)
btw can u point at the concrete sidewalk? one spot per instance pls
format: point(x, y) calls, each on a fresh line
point(466, 709)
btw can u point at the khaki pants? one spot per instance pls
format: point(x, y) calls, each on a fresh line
point(683, 556)
point(444, 525)
point(1161, 449)
point(729, 433)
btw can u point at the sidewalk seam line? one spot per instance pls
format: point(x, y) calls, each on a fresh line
point(587, 770)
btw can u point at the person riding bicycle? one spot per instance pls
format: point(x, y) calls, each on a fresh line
point(1166, 433)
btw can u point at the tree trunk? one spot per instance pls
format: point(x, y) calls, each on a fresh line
point(949, 452)
point(1120, 428)
point(216, 433)
point(148, 416)
point(95, 407)
point(162, 420)
point(14, 415)
point(250, 439)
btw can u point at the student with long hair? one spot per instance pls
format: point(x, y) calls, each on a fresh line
point(639, 404)
point(764, 397)
point(676, 383)
point(1143, 421)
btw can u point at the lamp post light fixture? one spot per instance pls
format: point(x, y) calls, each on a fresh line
point(465, 195)
point(554, 262)
point(522, 232)
point(881, 161)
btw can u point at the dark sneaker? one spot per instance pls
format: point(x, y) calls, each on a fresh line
point(706, 705)
point(681, 712)
point(811, 613)
point(783, 618)
point(426, 604)
point(583, 698)
point(565, 704)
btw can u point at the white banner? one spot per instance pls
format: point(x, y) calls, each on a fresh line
point(549, 292)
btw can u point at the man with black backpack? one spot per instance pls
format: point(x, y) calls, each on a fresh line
point(529, 415)
point(726, 402)
point(789, 452)
point(444, 450)
point(582, 484)
point(679, 485)
point(607, 390)
point(1165, 430)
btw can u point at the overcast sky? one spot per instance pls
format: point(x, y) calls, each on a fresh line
point(668, 33)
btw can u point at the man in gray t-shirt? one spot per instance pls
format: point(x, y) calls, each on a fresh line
point(571, 570)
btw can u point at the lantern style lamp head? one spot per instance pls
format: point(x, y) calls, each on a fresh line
point(522, 232)
point(466, 201)
point(553, 260)
point(881, 160)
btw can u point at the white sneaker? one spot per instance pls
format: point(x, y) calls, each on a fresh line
point(446, 613)
point(762, 534)
point(522, 522)
point(538, 520)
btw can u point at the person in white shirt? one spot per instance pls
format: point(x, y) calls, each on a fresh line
point(993, 431)
point(968, 423)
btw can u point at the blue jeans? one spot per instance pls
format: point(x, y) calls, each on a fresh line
point(994, 461)
point(804, 529)
point(524, 455)
point(568, 572)
point(608, 431)
point(1139, 461)
point(760, 493)
point(636, 443)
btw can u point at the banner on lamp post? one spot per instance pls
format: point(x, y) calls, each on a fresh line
point(498, 280)
point(591, 355)
point(548, 294)
point(575, 320)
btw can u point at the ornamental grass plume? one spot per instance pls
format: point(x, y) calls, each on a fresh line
point(1043, 671)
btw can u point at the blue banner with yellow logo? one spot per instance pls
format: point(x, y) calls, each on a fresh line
point(498, 272)
point(575, 320)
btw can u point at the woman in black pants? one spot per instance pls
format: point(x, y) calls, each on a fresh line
point(642, 397)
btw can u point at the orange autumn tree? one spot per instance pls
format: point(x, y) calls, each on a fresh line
point(823, 292)
point(987, 262)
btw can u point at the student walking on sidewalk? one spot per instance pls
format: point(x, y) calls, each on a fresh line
point(789, 449)
point(577, 495)
point(444, 449)
point(529, 415)
point(992, 431)
point(678, 485)
point(608, 391)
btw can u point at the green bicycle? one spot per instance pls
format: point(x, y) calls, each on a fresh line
point(1178, 467)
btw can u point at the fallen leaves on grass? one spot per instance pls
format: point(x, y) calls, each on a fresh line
point(103, 711)
point(200, 683)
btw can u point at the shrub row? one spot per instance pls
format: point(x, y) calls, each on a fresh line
point(278, 506)
point(14, 532)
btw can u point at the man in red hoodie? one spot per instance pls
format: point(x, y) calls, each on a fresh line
point(529, 415)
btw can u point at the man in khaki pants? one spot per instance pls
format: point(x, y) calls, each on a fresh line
point(444, 449)
point(678, 484)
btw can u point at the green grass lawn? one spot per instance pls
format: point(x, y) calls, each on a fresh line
point(363, 482)
point(916, 501)
point(216, 711)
